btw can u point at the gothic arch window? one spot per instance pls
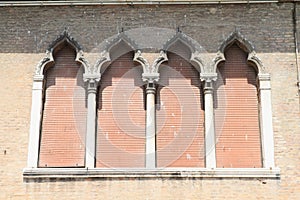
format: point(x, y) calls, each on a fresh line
point(242, 101)
point(180, 112)
point(237, 112)
point(58, 116)
point(64, 112)
point(121, 112)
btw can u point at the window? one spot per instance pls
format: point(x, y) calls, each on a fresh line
point(236, 112)
point(151, 114)
point(64, 112)
point(180, 113)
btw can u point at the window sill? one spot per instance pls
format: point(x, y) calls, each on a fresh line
point(32, 173)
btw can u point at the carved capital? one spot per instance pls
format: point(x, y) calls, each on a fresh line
point(150, 88)
point(150, 77)
point(92, 81)
point(208, 79)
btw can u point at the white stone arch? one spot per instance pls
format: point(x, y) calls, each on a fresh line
point(38, 88)
point(193, 47)
point(237, 38)
point(107, 54)
point(65, 37)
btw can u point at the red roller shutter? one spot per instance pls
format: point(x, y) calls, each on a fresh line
point(179, 116)
point(64, 117)
point(121, 116)
point(236, 113)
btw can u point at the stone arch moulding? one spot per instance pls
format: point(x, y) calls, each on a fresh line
point(106, 54)
point(193, 47)
point(243, 43)
point(37, 93)
point(65, 37)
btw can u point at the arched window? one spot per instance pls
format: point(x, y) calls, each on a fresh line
point(121, 112)
point(140, 108)
point(180, 113)
point(59, 107)
point(237, 112)
point(242, 102)
point(64, 112)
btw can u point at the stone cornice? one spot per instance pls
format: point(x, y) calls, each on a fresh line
point(132, 2)
point(61, 173)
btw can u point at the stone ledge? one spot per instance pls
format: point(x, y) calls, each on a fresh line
point(132, 2)
point(32, 173)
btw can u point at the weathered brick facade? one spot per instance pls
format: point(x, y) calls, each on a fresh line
point(26, 32)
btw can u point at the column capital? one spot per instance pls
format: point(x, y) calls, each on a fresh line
point(38, 78)
point(150, 89)
point(264, 77)
point(208, 77)
point(92, 81)
point(264, 81)
point(151, 77)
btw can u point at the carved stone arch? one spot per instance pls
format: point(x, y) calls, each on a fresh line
point(65, 37)
point(194, 48)
point(237, 38)
point(116, 47)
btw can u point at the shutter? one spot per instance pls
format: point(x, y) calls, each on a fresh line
point(64, 116)
point(179, 116)
point(121, 116)
point(236, 113)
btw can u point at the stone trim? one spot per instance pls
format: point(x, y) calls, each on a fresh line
point(133, 2)
point(244, 44)
point(179, 36)
point(266, 124)
point(62, 173)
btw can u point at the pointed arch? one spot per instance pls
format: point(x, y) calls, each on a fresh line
point(237, 38)
point(115, 48)
point(64, 38)
point(187, 48)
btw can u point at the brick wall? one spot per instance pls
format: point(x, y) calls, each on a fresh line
point(26, 32)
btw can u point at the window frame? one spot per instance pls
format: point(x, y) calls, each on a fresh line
point(150, 75)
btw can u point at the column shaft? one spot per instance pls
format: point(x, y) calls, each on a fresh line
point(35, 123)
point(266, 125)
point(210, 151)
point(150, 129)
point(90, 150)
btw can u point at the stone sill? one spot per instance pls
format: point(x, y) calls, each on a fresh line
point(32, 173)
